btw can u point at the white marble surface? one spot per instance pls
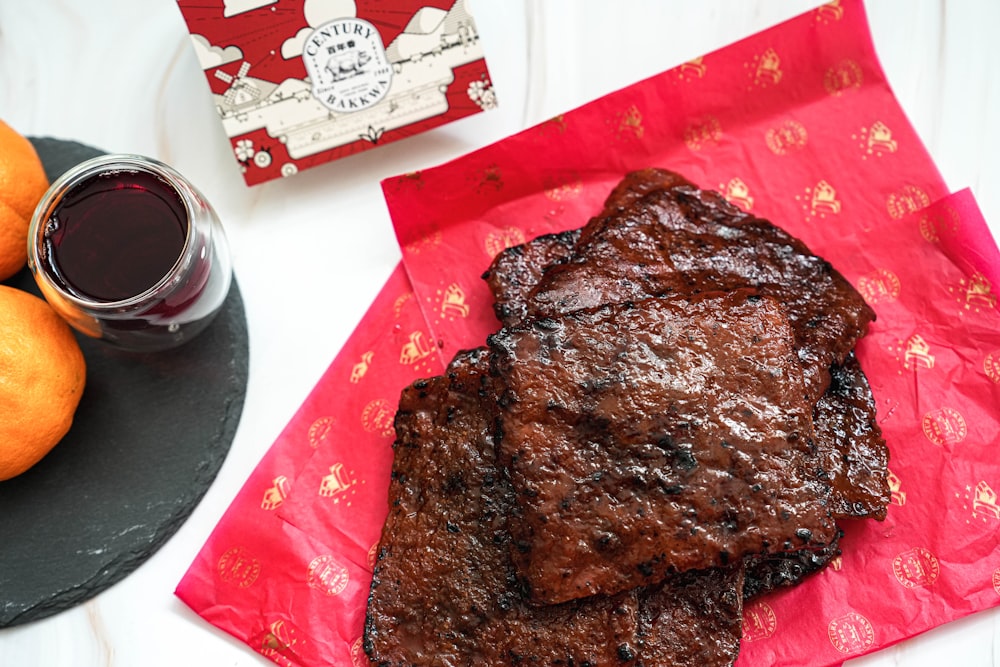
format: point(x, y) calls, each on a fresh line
point(121, 75)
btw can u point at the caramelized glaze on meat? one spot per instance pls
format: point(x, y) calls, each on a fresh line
point(678, 239)
point(635, 449)
point(444, 591)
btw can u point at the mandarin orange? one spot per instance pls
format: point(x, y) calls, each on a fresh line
point(22, 184)
point(42, 375)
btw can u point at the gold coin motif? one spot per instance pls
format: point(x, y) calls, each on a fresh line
point(788, 137)
point(325, 574)
point(851, 633)
point(377, 417)
point(879, 286)
point(991, 366)
point(239, 568)
point(945, 426)
point(702, 133)
point(498, 241)
point(318, 431)
point(759, 621)
point(916, 567)
point(843, 76)
point(909, 199)
point(358, 657)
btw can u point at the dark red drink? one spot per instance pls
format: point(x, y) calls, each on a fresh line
point(115, 235)
point(128, 251)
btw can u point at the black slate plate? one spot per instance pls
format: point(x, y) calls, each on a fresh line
point(149, 436)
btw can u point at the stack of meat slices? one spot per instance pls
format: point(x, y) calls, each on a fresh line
point(670, 421)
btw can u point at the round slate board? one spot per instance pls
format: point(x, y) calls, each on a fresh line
point(149, 436)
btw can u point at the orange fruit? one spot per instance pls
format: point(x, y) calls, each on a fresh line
point(42, 373)
point(22, 184)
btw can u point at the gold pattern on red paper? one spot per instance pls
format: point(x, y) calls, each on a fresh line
point(851, 633)
point(941, 221)
point(692, 69)
point(765, 69)
point(845, 75)
point(452, 302)
point(875, 140)
point(917, 567)
point(238, 567)
point(702, 133)
point(279, 640)
point(996, 580)
point(944, 426)
point(489, 179)
point(326, 575)
point(759, 621)
point(275, 494)
point(569, 189)
point(416, 348)
point(820, 200)
point(399, 303)
point(837, 563)
point(906, 200)
point(983, 502)
point(629, 123)
point(879, 286)
point(377, 416)
point(789, 136)
point(358, 657)
point(991, 366)
point(556, 124)
point(372, 556)
point(896, 494)
point(913, 354)
point(319, 430)
point(737, 193)
point(974, 293)
point(830, 12)
point(428, 242)
point(498, 241)
point(338, 484)
point(359, 369)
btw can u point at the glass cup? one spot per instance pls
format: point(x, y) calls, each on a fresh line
point(126, 250)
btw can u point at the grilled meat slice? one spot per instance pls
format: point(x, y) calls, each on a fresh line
point(679, 239)
point(444, 588)
point(636, 450)
point(850, 446)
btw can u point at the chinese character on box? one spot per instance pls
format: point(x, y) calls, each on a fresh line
point(298, 83)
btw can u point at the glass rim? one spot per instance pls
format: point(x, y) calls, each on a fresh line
point(77, 174)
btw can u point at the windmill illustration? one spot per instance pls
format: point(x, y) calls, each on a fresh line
point(240, 90)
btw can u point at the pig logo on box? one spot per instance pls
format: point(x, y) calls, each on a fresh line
point(347, 65)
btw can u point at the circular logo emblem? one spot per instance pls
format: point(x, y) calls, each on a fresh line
point(318, 431)
point(347, 65)
point(879, 286)
point(358, 656)
point(944, 427)
point(759, 622)
point(843, 76)
point(991, 366)
point(909, 199)
point(788, 137)
point(327, 575)
point(373, 556)
point(702, 133)
point(851, 633)
point(239, 568)
point(377, 417)
point(936, 223)
point(916, 567)
point(497, 242)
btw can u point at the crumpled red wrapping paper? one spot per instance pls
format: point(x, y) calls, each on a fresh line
point(796, 124)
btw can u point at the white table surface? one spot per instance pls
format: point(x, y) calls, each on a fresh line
point(121, 75)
